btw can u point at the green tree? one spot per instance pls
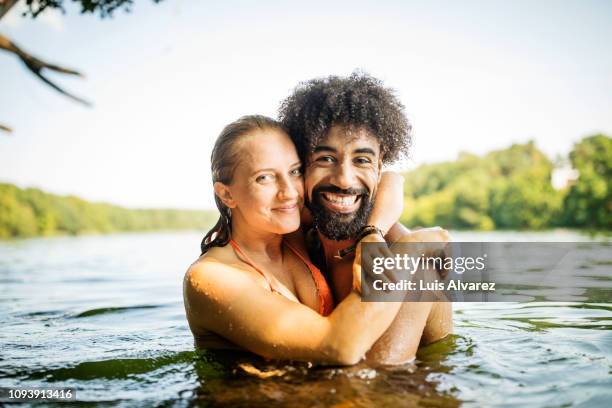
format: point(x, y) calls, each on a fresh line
point(508, 188)
point(523, 197)
point(16, 219)
point(33, 212)
point(589, 201)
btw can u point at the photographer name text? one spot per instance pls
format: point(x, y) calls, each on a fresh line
point(408, 285)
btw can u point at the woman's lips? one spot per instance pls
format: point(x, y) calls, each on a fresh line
point(342, 203)
point(287, 208)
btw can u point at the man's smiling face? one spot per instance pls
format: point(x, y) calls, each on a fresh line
point(341, 178)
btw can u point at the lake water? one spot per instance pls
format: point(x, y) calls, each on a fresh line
point(104, 314)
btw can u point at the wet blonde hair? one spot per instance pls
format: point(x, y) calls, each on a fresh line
point(224, 160)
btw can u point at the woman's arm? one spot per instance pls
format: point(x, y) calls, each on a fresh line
point(387, 210)
point(224, 300)
point(389, 201)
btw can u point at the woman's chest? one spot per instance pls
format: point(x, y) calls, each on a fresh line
point(294, 280)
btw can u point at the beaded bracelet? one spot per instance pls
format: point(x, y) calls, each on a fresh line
point(365, 231)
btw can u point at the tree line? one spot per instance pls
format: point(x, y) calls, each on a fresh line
point(511, 189)
point(32, 212)
point(504, 189)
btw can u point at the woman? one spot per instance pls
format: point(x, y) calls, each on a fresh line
point(255, 253)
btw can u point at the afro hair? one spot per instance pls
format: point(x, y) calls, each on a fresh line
point(357, 101)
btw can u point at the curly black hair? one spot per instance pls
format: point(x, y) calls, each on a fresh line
point(357, 101)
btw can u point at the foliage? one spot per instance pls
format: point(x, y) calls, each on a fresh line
point(104, 8)
point(589, 201)
point(31, 212)
point(509, 188)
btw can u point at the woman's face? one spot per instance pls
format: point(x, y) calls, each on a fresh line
point(267, 187)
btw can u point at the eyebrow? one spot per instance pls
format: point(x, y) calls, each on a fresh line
point(361, 150)
point(324, 148)
point(298, 163)
point(365, 150)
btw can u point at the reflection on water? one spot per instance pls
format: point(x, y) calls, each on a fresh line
point(104, 314)
point(307, 385)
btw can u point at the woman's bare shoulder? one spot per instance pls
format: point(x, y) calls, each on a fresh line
point(218, 260)
point(210, 285)
point(215, 255)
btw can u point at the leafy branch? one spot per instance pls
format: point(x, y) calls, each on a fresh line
point(103, 8)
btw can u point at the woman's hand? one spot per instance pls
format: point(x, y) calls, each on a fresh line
point(430, 242)
point(368, 261)
point(425, 241)
point(433, 234)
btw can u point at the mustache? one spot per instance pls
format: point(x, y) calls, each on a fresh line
point(337, 190)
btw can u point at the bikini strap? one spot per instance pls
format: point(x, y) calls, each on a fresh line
point(251, 263)
point(326, 300)
point(309, 264)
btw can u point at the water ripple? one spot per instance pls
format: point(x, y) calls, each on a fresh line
point(109, 310)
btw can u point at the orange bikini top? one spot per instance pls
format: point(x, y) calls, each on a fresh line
point(326, 299)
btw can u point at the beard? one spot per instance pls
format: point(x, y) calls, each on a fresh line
point(335, 225)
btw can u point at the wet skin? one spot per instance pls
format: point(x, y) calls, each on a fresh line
point(349, 160)
point(229, 300)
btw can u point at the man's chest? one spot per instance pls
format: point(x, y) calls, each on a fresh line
point(341, 275)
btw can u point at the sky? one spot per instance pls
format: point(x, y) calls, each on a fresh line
point(164, 79)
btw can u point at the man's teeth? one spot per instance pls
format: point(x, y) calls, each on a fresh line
point(340, 199)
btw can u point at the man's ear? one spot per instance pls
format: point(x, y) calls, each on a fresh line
point(380, 165)
point(223, 192)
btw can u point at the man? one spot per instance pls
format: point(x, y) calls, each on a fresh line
point(345, 129)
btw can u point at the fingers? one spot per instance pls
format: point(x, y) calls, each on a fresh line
point(365, 265)
point(448, 253)
point(357, 284)
point(428, 242)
